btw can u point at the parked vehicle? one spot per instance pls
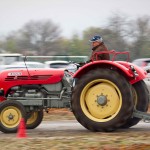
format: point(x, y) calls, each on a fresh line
point(5, 67)
point(142, 62)
point(7, 59)
point(56, 64)
point(59, 64)
point(104, 95)
point(147, 68)
point(30, 64)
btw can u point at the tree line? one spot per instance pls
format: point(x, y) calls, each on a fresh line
point(43, 37)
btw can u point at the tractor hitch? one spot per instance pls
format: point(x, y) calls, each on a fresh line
point(143, 115)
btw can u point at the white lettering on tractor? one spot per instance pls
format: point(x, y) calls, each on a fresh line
point(14, 74)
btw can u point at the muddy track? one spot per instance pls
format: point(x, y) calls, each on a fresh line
point(56, 132)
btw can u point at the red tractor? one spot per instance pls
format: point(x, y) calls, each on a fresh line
point(103, 95)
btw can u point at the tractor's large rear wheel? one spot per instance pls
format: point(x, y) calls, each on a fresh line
point(11, 112)
point(102, 100)
point(141, 102)
point(34, 119)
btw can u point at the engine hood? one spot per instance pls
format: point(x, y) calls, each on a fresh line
point(47, 75)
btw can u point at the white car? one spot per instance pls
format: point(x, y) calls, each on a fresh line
point(60, 64)
point(56, 64)
point(148, 75)
point(5, 67)
point(142, 62)
point(30, 64)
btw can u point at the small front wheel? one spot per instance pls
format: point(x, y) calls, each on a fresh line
point(35, 118)
point(11, 113)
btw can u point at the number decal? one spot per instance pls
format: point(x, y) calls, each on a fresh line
point(14, 74)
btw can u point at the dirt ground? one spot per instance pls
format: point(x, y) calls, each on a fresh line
point(75, 140)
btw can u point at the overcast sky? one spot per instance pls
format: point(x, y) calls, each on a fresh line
point(71, 15)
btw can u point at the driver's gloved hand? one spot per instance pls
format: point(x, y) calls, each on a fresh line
point(81, 63)
point(88, 61)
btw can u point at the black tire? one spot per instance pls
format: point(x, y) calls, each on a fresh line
point(141, 98)
point(11, 112)
point(34, 120)
point(110, 108)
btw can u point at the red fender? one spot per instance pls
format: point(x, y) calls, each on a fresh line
point(122, 66)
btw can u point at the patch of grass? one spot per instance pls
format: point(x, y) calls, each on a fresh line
point(67, 143)
point(58, 114)
point(122, 139)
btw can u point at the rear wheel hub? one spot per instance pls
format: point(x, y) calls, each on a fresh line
point(102, 100)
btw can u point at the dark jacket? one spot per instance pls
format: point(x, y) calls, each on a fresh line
point(104, 56)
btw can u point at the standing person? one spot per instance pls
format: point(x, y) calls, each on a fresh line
point(97, 46)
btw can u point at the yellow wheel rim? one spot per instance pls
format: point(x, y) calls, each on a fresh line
point(101, 100)
point(10, 116)
point(32, 118)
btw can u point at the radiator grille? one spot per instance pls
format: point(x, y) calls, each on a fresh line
point(35, 77)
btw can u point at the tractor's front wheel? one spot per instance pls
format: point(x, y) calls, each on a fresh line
point(11, 113)
point(102, 100)
point(34, 119)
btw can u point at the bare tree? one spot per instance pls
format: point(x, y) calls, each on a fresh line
point(141, 35)
point(119, 24)
point(41, 36)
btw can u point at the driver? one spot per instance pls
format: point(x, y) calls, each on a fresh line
point(98, 45)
